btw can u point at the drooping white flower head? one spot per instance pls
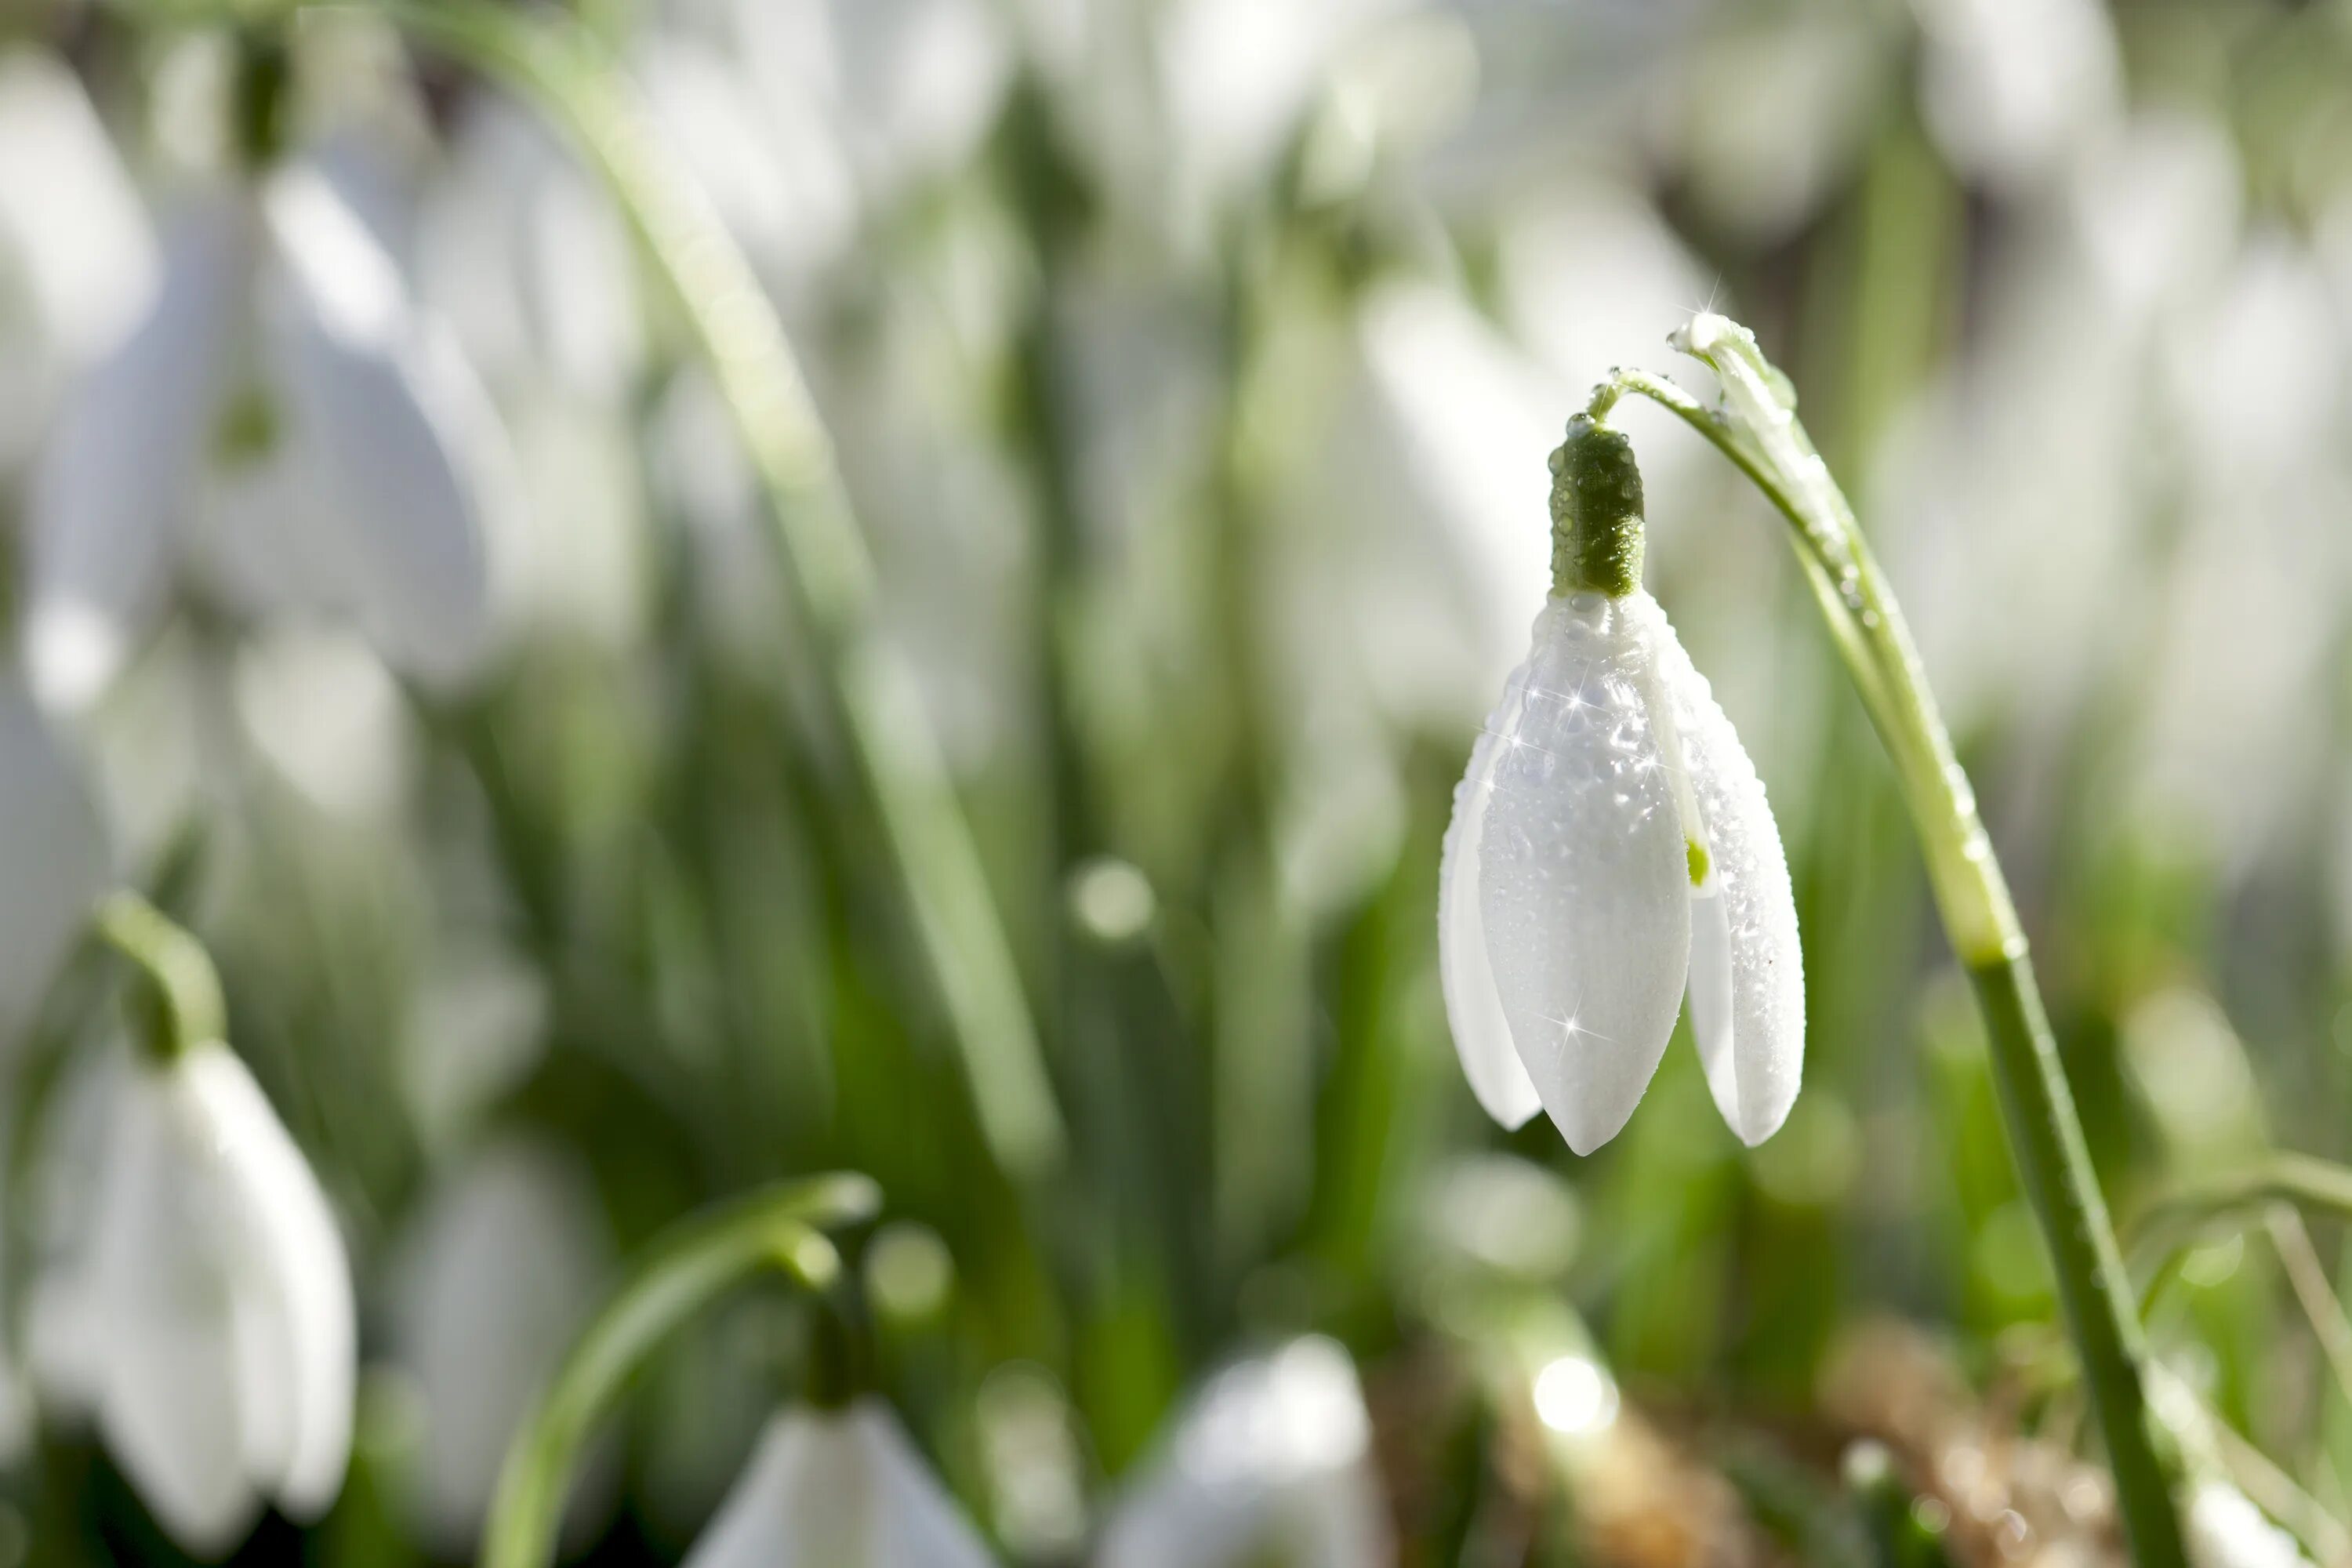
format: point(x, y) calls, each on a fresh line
point(842, 1488)
point(1612, 851)
point(1272, 1456)
point(207, 1325)
point(369, 465)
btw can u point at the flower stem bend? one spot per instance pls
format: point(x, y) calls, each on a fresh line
point(185, 1006)
point(1758, 429)
point(781, 1226)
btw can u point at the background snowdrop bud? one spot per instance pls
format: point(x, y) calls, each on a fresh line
point(1611, 848)
point(1271, 1462)
point(839, 1488)
point(220, 1306)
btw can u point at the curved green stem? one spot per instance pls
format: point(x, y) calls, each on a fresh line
point(1758, 430)
point(185, 990)
point(558, 63)
point(2166, 1227)
point(778, 1228)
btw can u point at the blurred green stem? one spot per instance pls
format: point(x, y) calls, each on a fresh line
point(1758, 430)
point(558, 63)
point(775, 1227)
point(187, 1009)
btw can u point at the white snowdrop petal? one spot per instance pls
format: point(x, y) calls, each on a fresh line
point(916, 1523)
point(1748, 1009)
point(1583, 879)
point(169, 1409)
point(1474, 1008)
point(68, 209)
point(117, 467)
point(398, 427)
point(296, 1333)
point(826, 1489)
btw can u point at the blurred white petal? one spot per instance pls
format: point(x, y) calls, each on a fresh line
point(400, 432)
point(68, 213)
point(53, 856)
point(2156, 203)
point(296, 1323)
point(919, 80)
point(1775, 112)
point(2225, 1530)
point(165, 1337)
point(490, 1286)
point(1236, 78)
point(2009, 87)
point(1448, 469)
point(771, 166)
point(323, 708)
point(115, 479)
point(1273, 1457)
point(837, 1490)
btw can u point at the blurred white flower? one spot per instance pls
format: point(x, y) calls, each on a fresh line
point(2227, 1530)
point(207, 1322)
point(76, 257)
point(806, 118)
point(363, 472)
point(1272, 1460)
point(2009, 87)
point(1611, 849)
point(1424, 477)
point(329, 717)
point(838, 1489)
point(488, 1291)
point(1776, 110)
point(528, 261)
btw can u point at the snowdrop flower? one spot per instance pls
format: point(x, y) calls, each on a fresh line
point(1610, 850)
point(370, 472)
point(1274, 1457)
point(207, 1326)
point(838, 1488)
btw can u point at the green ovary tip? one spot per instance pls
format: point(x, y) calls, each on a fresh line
point(1596, 511)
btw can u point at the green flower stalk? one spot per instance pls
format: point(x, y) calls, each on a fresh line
point(1757, 428)
point(780, 1227)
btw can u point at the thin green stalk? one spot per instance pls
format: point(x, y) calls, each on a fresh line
point(775, 1227)
point(559, 64)
point(1758, 430)
point(183, 989)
